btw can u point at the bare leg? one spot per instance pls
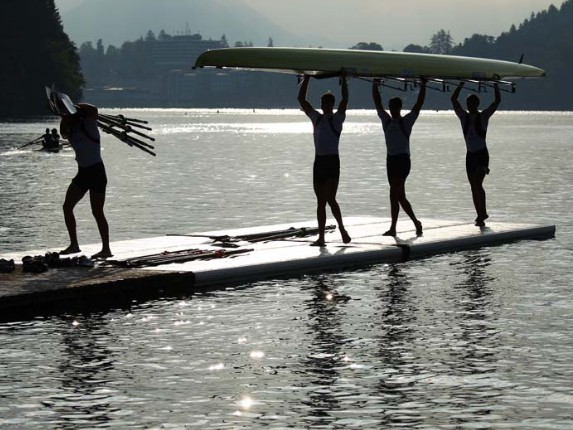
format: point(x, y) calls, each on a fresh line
point(408, 208)
point(331, 190)
point(97, 201)
point(479, 197)
point(397, 199)
point(320, 192)
point(73, 196)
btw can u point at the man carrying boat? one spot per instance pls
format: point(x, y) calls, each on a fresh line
point(326, 170)
point(474, 126)
point(397, 130)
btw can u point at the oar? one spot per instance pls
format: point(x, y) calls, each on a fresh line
point(122, 118)
point(127, 128)
point(116, 125)
point(277, 234)
point(31, 143)
point(300, 232)
point(131, 141)
point(122, 122)
point(109, 123)
point(175, 257)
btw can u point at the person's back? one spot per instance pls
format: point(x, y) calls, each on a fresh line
point(84, 137)
point(47, 140)
point(55, 138)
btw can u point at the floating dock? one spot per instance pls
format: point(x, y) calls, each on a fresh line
point(171, 265)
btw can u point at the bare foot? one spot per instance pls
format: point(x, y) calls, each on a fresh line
point(390, 233)
point(103, 254)
point(318, 242)
point(345, 236)
point(72, 249)
point(480, 220)
point(419, 231)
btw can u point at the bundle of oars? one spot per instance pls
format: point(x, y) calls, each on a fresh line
point(116, 125)
point(124, 128)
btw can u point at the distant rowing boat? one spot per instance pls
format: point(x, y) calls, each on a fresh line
point(53, 149)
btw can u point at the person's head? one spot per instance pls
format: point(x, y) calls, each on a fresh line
point(472, 102)
point(54, 131)
point(395, 106)
point(47, 131)
point(327, 102)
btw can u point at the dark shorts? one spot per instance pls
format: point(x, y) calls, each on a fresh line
point(477, 162)
point(326, 167)
point(398, 166)
point(92, 178)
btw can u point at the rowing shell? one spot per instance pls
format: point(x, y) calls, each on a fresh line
point(362, 63)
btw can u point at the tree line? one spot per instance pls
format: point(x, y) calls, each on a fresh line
point(544, 40)
point(37, 52)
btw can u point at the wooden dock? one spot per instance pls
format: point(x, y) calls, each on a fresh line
point(215, 259)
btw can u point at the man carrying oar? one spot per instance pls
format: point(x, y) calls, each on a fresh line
point(79, 125)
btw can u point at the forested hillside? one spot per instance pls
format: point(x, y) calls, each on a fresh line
point(35, 52)
point(545, 40)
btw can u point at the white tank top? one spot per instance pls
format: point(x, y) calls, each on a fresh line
point(85, 140)
point(327, 129)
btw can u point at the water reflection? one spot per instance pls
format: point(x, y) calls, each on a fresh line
point(477, 326)
point(86, 369)
point(396, 323)
point(475, 339)
point(322, 365)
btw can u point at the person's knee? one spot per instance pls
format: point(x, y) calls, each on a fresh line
point(68, 208)
point(395, 192)
point(98, 213)
point(332, 202)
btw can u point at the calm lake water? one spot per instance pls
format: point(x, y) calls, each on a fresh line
point(473, 340)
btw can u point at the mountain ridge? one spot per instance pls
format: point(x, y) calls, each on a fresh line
point(129, 20)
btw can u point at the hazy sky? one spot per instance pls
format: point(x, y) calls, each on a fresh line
point(395, 23)
point(392, 23)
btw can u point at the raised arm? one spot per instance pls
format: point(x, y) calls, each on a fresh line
point(83, 109)
point(90, 111)
point(494, 105)
point(65, 124)
point(344, 99)
point(304, 104)
point(376, 95)
point(455, 96)
point(421, 97)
